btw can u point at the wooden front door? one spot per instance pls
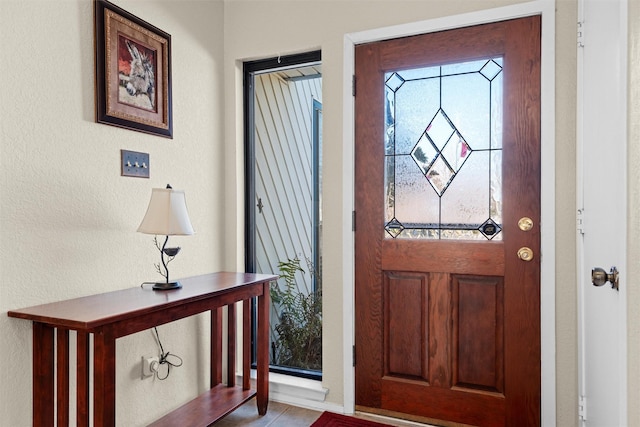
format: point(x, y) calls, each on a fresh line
point(447, 237)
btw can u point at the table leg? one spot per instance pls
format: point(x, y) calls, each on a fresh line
point(231, 345)
point(104, 379)
point(216, 347)
point(82, 379)
point(262, 385)
point(62, 375)
point(246, 344)
point(43, 376)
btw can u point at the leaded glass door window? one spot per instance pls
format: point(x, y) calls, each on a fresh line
point(443, 151)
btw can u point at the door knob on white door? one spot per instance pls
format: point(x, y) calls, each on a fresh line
point(599, 277)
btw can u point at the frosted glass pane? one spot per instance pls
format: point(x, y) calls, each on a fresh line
point(415, 203)
point(466, 100)
point(416, 102)
point(443, 158)
point(466, 201)
point(463, 67)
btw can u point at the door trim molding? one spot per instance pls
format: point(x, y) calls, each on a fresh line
point(545, 8)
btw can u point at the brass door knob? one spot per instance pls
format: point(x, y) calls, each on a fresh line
point(525, 253)
point(599, 277)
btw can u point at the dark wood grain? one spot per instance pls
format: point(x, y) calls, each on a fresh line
point(485, 409)
point(115, 314)
point(82, 379)
point(216, 347)
point(482, 314)
point(440, 330)
point(206, 408)
point(43, 375)
point(405, 324)
point(478, 326)
point(231, 345)
point(262, 382)
point(522, 303)
point(90, 312)
point(369, 216)
point(466, 257)
point(104, 378)
point(62, 376)
point(246, 344)
point(470, 43)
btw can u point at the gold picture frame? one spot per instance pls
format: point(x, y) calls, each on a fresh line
point(133, 72)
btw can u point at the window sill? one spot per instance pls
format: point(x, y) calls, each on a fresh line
point(293, 390)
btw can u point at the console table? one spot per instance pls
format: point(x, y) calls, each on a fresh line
point(112, 315)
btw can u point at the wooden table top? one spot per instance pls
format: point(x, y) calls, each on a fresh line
point(86, 313)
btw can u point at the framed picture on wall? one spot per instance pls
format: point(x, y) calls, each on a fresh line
point(133, 72)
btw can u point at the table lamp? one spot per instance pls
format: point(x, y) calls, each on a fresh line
point(166, 215)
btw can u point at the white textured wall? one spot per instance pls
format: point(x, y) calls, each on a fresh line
point(68, 219)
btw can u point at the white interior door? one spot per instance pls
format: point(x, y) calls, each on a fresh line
point(602, 142)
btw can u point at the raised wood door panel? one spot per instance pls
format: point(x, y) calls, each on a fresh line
point(443, 332)
point(449, 330)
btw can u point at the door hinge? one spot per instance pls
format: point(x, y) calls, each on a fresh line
point(353, 221)
point(353, 85)
point(580, 33)
point(354, 355)
point(580, 221)
point(582, 408)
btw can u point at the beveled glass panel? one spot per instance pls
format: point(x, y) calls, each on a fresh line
point(495, 198)
point(389, 187)
point(424, 153)
point(443, 158)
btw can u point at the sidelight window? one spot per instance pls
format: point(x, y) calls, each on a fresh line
point(283, 149)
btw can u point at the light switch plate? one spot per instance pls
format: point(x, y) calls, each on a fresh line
point(135, 164)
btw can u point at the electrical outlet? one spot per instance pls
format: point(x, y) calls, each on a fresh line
point(150, 366)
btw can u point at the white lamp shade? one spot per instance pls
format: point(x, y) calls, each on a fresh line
point(167, 214)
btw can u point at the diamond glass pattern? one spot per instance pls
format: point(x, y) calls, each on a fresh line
point(394, 82)
point(442, 151)
point(490, 70)
point(489, 229)
point(440, 129)
point(394, 228)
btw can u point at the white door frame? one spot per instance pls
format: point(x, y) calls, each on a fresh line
point(545, 8)
point(602, 111)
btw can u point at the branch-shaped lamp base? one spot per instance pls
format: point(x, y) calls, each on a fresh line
point(170, 253)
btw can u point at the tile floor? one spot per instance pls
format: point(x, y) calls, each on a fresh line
point(281, 415)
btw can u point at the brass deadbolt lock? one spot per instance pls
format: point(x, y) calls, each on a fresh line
point(525, 253)
point(525, 223)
